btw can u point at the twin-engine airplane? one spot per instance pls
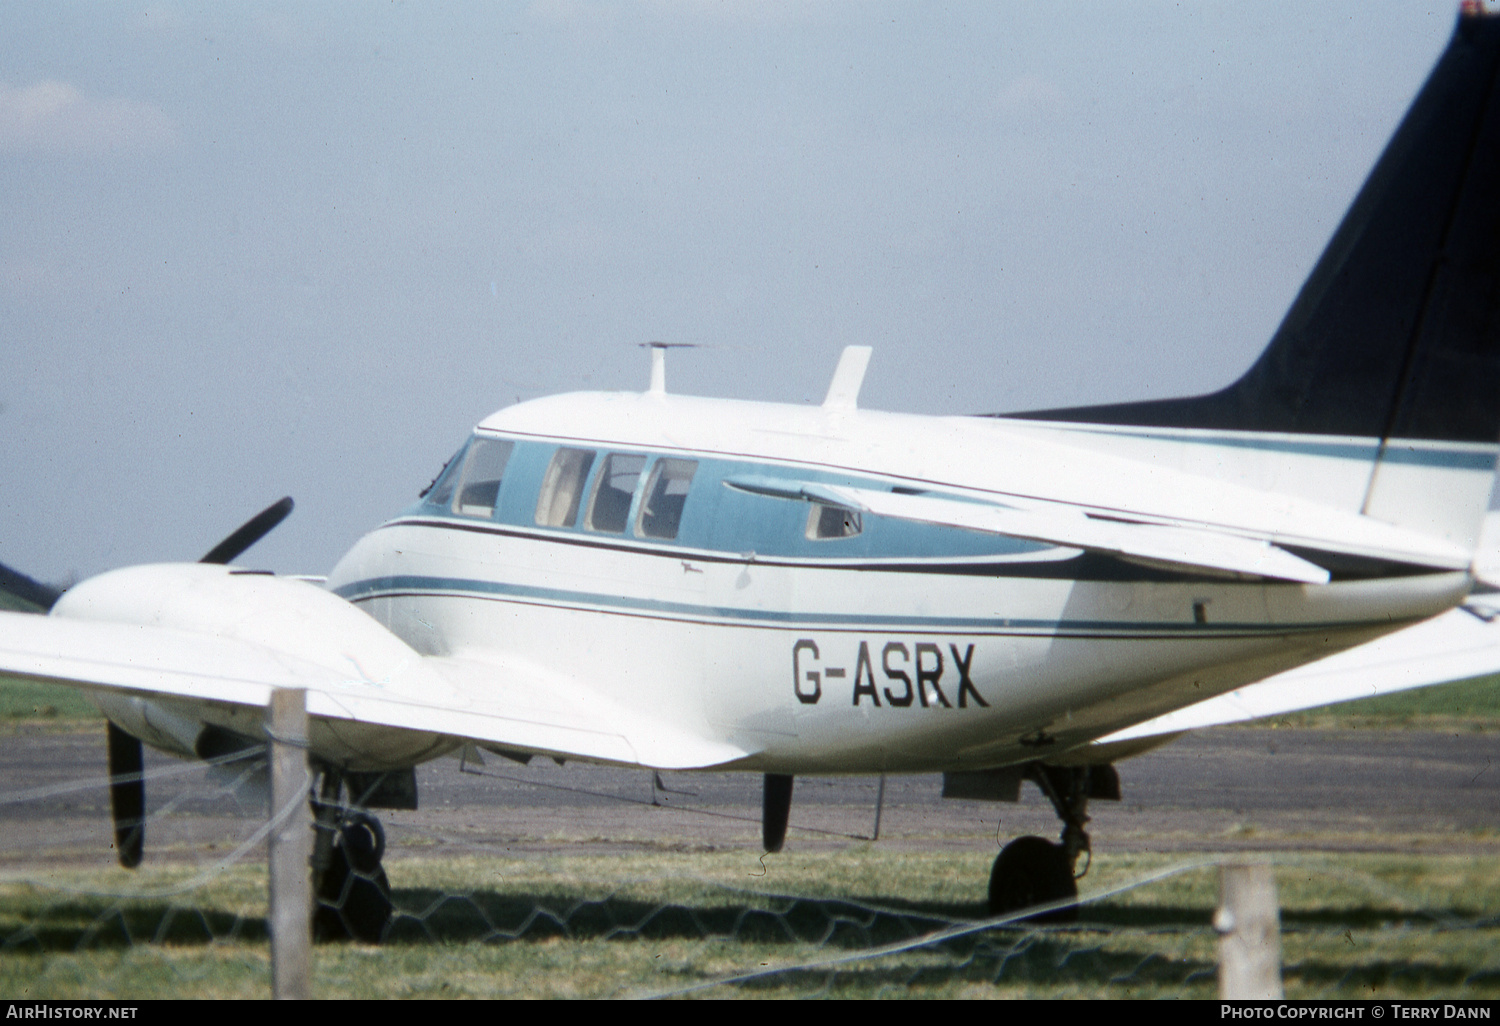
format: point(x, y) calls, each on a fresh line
point(680, 583)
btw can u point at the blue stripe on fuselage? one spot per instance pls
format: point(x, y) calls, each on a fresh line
point(1466, 456)
point(412, 584)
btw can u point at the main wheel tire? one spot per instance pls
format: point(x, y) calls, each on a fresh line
point(354, 896)
point(1032, 871)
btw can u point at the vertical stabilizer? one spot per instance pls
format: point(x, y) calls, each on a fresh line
point(1395, 337)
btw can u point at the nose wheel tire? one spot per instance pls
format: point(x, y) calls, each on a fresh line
point(1032, 871)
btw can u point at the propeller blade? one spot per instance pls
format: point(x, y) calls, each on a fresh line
point(127, 795)
point(254, 529)
point(17, 591)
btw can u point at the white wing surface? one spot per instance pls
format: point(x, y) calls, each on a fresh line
point(1179, 546)
point(511, 706)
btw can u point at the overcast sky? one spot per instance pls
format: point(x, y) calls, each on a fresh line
point(256, 249)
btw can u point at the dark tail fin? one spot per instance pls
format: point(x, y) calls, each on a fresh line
point(1396, 335)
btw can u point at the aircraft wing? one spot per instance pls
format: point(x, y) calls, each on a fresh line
point(512, 706)
point(1461, 644)
point(1200, 548)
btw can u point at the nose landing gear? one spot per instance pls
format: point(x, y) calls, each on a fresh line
point(1032, 871)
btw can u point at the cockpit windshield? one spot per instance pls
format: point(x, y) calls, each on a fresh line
point(440, 491)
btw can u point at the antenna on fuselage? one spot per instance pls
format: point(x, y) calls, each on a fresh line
point(659, 363)
point(848, 376)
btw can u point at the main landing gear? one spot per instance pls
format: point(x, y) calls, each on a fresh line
point(352, 894)
point(1032, 871)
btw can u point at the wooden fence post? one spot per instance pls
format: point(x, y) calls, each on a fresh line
point(290, 847)
point(1249, 928)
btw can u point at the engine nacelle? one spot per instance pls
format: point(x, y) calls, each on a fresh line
point(283, 615)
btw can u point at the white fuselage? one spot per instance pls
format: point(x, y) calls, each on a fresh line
point(896, 647)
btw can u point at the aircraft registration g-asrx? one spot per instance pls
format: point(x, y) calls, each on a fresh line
point(680, 583)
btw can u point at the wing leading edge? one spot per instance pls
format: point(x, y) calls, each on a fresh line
point(512, 706)
point(1073, 529)
point(1202, 547)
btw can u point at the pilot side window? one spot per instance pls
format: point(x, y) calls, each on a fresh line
point(666, 494)
point(562, 488)
point(613, 489)
point(826, 522)
point(483, 468)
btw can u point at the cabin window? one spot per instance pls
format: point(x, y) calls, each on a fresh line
point(613, 489)
point(562, 488)
point(826, 522)
point(483, 468)
point(666, 494)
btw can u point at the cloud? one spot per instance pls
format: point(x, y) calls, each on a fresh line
point(55, 117)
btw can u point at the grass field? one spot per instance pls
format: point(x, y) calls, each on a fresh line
point(702, 925)
point(23, 702)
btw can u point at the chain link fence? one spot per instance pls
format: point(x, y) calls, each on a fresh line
point(571, 881)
